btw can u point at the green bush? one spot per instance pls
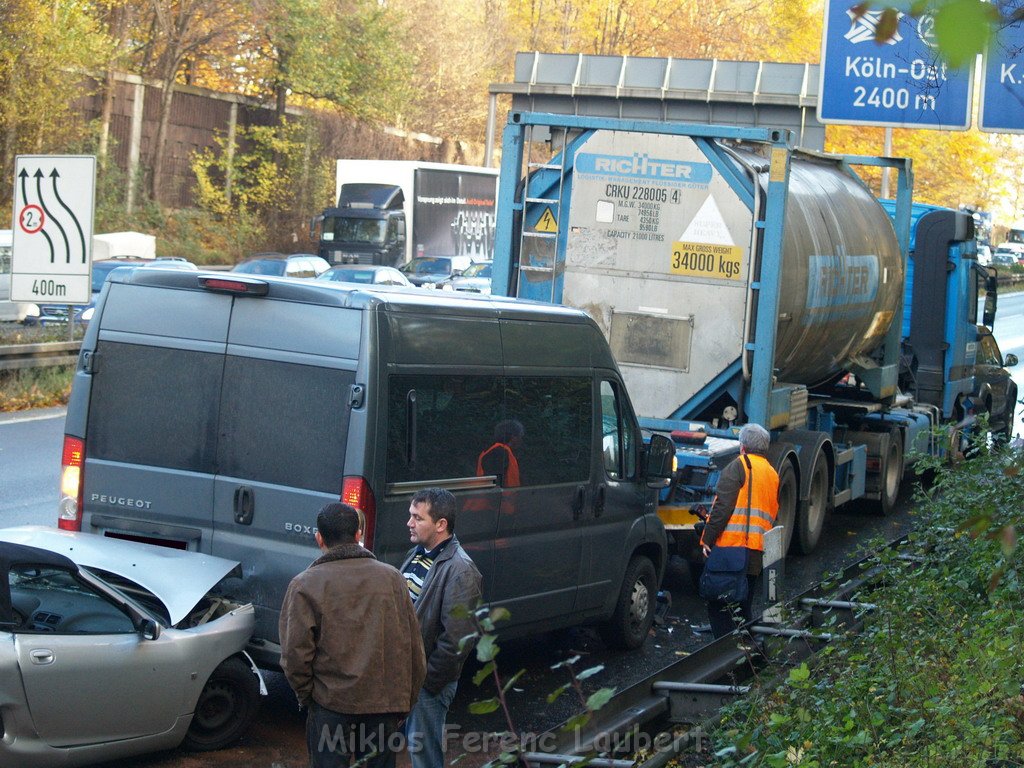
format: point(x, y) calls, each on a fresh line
point(35, 387)
point(934, 679)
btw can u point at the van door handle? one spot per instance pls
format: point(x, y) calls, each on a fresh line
point(599, 501)
point(41, 656)
point(577, 502)
point(245, 504)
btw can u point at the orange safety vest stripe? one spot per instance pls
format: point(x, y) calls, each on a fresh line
point(764, 507)
point(511, 468)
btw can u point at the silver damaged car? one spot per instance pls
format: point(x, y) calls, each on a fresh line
point(112, 648)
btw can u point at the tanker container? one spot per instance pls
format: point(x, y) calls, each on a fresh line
point(738, 279)
point(664, 252)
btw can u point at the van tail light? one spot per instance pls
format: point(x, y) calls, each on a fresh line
point(72, 476)
point(356, 492)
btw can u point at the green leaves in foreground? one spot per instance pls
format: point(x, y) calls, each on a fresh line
point(487, 650)
point(934, 677)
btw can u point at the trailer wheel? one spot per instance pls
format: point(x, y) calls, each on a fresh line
point(818, 498)
point(811, 517)
point(890, 474)
point(789, 499)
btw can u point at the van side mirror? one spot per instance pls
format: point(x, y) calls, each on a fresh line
point(1010, 360)
point(149, 629)
point(661, 459)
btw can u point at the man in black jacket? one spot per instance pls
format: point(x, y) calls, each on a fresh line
point(440, 576)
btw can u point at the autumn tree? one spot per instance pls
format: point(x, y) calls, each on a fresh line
point(45, 50)
point(459, 47)
point(174, 31)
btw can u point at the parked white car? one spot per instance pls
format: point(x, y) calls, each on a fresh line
point(112, 648)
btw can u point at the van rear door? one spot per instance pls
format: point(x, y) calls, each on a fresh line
point(153, 383)
point(282, 434)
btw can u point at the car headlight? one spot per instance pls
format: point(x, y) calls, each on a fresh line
point(87, 314)
point(32, 310)
point(447, 287)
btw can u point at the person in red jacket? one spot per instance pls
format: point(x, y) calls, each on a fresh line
point(500, 458)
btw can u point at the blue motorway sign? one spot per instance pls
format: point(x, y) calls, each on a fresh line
point(900, 83)
point(1002, 87)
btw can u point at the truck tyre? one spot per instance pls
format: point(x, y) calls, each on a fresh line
point(890, 473)
point(811, 518)
point(789, 498)
point(226, 707)
point(819, 493)
point(634, 612)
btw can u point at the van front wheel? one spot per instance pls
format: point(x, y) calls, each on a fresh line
point(634, 612)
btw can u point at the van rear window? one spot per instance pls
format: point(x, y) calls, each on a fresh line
point(260, 420)
point(285, 423)
point(157, 407)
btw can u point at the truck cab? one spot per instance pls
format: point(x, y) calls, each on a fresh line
point(367, 227)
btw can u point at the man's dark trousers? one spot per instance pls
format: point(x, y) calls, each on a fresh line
point(336, 740)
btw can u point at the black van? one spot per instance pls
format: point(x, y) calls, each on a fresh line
point(218, 412)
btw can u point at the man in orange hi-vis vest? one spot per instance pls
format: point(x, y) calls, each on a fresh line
point(745, 507)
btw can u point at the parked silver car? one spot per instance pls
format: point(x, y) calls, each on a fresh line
point(475, 279)
point(305, 265)
point(112, 648)
point(365, 274)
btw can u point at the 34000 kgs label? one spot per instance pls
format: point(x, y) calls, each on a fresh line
point(704, 260)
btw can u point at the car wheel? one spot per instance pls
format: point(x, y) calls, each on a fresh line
point(634, 612)
point(226, 707)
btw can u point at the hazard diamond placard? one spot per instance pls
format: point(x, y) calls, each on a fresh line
point(54, 199)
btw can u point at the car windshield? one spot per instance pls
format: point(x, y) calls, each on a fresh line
point(479, 269)
point(342, 275)
point(347, 230)
point(261, 267)
point(101, 271)
point(428, 265)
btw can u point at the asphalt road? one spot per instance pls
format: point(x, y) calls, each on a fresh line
point(29, 468)
point(30, 451)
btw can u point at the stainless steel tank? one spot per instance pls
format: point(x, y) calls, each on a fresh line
point(842, 280)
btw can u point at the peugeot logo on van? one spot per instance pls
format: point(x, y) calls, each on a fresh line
point(121, 501)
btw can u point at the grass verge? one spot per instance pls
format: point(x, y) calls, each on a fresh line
point(35, 387)
point(935, 677)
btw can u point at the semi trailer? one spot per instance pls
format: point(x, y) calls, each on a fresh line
point(390, 211)
point(739, 279)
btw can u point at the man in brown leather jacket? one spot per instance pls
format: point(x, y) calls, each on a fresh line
point(351, 647)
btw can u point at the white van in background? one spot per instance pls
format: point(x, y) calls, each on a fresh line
point(9, 311)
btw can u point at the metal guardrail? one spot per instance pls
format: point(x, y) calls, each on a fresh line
point(692, 690)
point(17, 356)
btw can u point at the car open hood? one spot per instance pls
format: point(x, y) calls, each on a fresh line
point(178, 579)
